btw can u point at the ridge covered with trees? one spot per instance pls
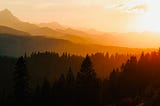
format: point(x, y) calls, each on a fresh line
point(135, 83)
point(51, 65)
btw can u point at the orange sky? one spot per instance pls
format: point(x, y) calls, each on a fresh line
point(103, 15)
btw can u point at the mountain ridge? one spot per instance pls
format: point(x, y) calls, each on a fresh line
point(8, 30)
point(34, 29)
point(15, 46)
point(131, 40)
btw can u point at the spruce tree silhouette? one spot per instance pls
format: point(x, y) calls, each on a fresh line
point(60, 91)
point(70, 88)
point(113, 87)
point(45, 93)
point(87, 84)
point(21, 86)
point(70, 77)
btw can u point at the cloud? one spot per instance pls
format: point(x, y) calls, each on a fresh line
point(130, 6)
point(139, 7)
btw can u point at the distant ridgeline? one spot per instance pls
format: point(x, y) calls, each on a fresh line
point(18, 37)
point(15, 46)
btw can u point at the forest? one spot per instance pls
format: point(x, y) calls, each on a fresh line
point(79, 53)
point(50, 79)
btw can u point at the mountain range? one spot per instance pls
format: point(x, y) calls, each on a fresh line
point(52, 30)
point(18, 37)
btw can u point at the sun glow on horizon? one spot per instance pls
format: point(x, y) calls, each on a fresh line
point(144, 14)
point(150, 19)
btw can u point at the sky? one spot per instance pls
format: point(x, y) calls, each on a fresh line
point(102, 15)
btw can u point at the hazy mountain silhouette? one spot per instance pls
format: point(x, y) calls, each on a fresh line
point(72, 34)
point(77, 36)
point(53, 30)
point(91, 36)
point(8, 19)
point(15, 45)
point(53, 25)
point(8, 30)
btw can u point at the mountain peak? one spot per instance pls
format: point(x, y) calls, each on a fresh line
point(6, 12)
point(7, 16)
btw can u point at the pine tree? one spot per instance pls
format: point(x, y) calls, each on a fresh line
point(60, 91)
point(87, 73)
point(70, 88)
point(87, 84)
point(70, 77)
point(21, 86)
point(45, 93)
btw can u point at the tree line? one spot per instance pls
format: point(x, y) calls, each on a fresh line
point(135, 83)
point(52, 64)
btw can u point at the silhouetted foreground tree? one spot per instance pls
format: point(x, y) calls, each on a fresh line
point(21, 86)
point(87, 85)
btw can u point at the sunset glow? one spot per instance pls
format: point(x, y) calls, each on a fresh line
point(133, 15)
point(79, 52)
point(150, 19)
point(126, 23)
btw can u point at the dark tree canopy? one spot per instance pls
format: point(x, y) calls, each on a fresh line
point(135, 83)
point(21, 86)
point(87, 84)
point(70, 77)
